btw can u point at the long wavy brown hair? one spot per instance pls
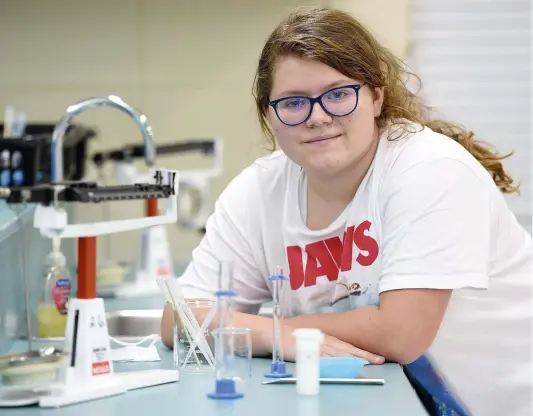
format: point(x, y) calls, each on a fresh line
point(338, 40)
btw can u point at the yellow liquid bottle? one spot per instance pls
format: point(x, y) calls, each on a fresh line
point(52, 308)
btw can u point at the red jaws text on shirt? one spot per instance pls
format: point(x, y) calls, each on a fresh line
point(328, 257)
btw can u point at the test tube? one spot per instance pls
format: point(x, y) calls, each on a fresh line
point(225, 387)
point(225, 295)
point(278, 367)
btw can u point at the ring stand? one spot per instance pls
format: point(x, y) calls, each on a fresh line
point(90, 374)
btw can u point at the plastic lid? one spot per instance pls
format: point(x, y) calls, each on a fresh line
point(309, 334)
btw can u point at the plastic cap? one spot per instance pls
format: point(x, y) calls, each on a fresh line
point(309, 334)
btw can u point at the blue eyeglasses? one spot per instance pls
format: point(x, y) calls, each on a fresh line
point(337, 102)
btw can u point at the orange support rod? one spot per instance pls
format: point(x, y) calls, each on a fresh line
point(151, 208)
point(86, 267)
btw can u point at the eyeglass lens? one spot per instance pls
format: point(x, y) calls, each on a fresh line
point(338, 102)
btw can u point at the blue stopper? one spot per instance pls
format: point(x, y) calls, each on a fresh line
point(278, 277)
point(225, 390)
point(278, 369)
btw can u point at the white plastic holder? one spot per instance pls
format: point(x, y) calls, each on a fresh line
point(90, 374)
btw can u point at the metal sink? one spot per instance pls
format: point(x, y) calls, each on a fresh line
point(144, 322)
point(137, 323)
point(134, 323)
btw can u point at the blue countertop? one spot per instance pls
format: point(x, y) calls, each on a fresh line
point(188, 396)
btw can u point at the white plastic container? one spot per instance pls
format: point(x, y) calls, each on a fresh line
point(308, 342)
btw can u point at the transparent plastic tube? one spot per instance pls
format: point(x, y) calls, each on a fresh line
point(225, 296)
point(219, 339)
point(277, 348)
point(278, 368)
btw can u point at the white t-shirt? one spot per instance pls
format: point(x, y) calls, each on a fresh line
point(427, 215)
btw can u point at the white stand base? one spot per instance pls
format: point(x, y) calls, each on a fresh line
point(90, 375)
point(76, 392)
point(140, 379)
point(114, 385)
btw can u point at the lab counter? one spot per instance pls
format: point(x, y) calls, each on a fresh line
point(188, 396)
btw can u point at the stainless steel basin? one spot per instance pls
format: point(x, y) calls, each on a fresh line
point(144, 322)
point(134, 323)
point(138, 323)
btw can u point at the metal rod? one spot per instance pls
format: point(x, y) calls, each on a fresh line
point(86, 267)
point(151, 208)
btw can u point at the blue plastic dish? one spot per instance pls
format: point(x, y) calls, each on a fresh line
point(341, 367)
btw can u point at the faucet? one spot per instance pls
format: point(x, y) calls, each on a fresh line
point(75, 109)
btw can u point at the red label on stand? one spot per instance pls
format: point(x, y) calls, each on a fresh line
point(60, 295)
point(101, 368)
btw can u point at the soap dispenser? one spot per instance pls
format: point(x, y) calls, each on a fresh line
point(55, 293)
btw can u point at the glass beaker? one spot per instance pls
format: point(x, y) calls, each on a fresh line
point(234, 357)
point(195, 360)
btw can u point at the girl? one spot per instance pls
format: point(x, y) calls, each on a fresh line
point(397, 239)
